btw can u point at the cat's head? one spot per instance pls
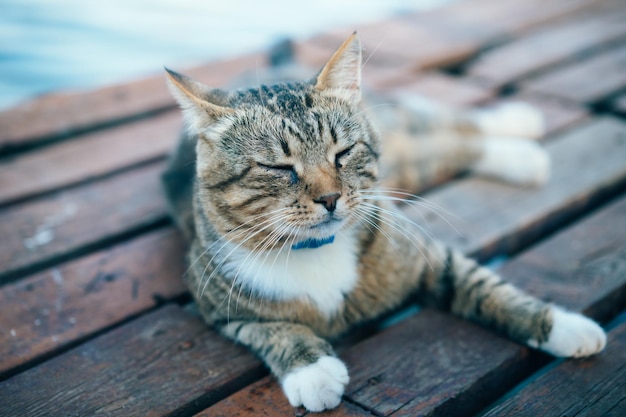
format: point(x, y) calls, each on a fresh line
point(283, 164)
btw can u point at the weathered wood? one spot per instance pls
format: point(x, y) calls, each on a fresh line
point(451, 33)
point(603, 24)
point(456, 365)
point(40, 232)
point(62, 114)
point(493, 18)
point(89, 156)
point(265, 398)
point(453, 91)
point(491, 218)
point(581, 82)
point(56, 308)
point(163, 362)
point(575, 388)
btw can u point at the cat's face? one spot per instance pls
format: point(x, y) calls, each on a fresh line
point(282, 164)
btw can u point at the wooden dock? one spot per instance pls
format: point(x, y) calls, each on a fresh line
point(94, 316)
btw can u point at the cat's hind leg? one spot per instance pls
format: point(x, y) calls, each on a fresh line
point(460, 285)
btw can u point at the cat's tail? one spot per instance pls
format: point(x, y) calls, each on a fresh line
point(512, 119)
point(493, 142)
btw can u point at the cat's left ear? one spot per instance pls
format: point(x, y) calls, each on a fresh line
point(342, 73)
point(202, 105)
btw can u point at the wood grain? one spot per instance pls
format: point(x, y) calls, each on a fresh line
point(456, 365)
point(41, 232)
point(163, 362)
point(604, 24)
point(60, 306)
point(580, 82)
point(575, 388)
point(65, 114)
point(89, 156)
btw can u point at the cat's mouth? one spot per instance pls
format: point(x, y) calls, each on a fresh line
point(329, 222)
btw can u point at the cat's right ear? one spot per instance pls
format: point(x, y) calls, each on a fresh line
point(342, 73)
point(197, 100)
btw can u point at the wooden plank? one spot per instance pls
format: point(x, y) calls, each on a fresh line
point(451, 33)
point(499, 19)
point(452, 91)
point(65, 114)
point(492, 218)
point(54, 227)
point(457, 364)
point(580, 82)
point(56, 308)
point(603, 24)
point(163, 362)
point(265, 398)
point(456, 367)
point(575, 388)
point(89, 156)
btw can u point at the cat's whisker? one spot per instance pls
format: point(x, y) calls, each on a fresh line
point(434, 209)
point(228, 241)
point(228, 235)
point(362, 214)
point(398, 215)
point(397, 227)
point(410, 199)
point(372, 54)
point(275, 220)
point(373, 107)
point(266, 248)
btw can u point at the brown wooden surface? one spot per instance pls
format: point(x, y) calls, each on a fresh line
point(97, 330)
point(59, 306)
point(604, 24)
point(587, 81)
point(575, 388)
point(155, 365)
point(63, 114)
point(41, 231)
point(88, 157)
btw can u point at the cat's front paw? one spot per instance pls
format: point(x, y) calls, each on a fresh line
point(572, 335)
point(318, 386)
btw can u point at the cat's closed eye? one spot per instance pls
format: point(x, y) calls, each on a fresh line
point(281, 169)
point(340, 155)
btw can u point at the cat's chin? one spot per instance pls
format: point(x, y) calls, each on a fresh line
point(322, 230)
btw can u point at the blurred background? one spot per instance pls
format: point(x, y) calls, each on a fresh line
point(75, 44)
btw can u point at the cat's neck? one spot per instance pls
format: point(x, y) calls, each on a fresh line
point(321, 275)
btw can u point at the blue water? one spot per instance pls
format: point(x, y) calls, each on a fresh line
point(49, 45)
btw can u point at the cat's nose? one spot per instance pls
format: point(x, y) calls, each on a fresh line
point(329, 201)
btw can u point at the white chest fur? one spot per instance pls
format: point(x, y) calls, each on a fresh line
point(322, 275)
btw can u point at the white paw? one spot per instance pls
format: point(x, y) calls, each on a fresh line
point(572, 335)
point(518, 161)
point(318, 386)
point(511, 119)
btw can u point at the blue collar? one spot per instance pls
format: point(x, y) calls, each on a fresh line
point(313, 243)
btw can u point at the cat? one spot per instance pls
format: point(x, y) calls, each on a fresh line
point(293, 242)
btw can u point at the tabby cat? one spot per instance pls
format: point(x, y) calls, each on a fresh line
point(293, 242)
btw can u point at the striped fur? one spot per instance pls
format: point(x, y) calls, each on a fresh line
point(265, 168)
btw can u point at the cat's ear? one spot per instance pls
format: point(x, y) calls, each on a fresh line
point(199, 102)
point(342, 73)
